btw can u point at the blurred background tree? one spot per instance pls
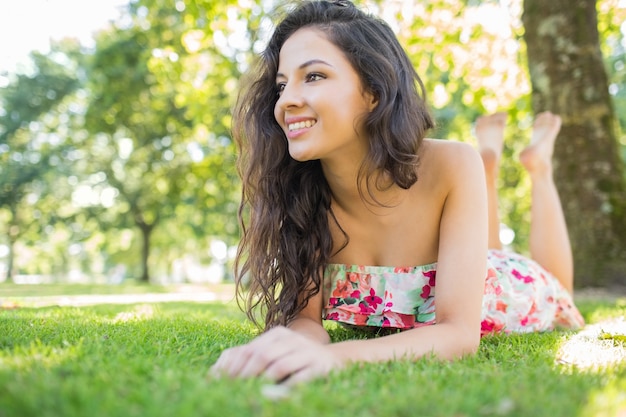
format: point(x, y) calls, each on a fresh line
point(118, 159)
point(569, 78)
point(27, 149)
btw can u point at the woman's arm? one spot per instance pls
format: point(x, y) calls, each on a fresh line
point(309, 320)
point(301, 351)
point(289, 354)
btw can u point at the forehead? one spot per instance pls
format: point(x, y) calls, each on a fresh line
point(309, 43)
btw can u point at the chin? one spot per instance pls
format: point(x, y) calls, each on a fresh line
point(302, 157)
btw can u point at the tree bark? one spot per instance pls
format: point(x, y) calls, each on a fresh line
point(10, 277)
point(146, 232)
point(13, 236)
point(568, 78)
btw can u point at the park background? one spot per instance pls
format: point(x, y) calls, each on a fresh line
point(117, 167)
point(117, 164)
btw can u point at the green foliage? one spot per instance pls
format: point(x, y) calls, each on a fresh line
point(471, 59)
point(167, 150)
point(29, 150)
point(152, 359)
point(611, 18)
point(137, 131)
point(31, 95)
point(24, 153)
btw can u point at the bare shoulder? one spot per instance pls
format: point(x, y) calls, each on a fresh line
point(449, 158)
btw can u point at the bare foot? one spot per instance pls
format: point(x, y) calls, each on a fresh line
point(537, 157)
point(490, 136)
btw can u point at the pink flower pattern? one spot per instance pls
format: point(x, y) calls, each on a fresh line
point(519, 296)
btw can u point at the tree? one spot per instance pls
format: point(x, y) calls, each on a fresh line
point(212, 41)
point(569, 78)
point(137, 129)
point(159, 104)
point(153, 155)
point(25, 154)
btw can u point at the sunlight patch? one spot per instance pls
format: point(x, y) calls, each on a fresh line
point(596, 346)
point(141, 312)
point(8, 305)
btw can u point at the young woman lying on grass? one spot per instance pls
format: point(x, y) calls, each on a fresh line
point(350, 214)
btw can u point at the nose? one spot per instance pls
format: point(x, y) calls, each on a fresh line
point(290, 97)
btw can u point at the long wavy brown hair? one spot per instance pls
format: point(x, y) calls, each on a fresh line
point(286, 204)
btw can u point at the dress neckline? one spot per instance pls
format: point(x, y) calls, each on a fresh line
point(379, 268)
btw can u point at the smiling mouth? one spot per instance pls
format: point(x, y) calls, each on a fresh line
point(301, 125)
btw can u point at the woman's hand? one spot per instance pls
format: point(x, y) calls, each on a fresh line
point(280, 355)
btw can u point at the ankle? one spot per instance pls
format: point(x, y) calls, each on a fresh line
point(491, 161)
point(540, 177)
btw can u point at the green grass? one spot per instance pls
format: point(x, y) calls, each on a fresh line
point(152, 360)
point(46, 290)
point(17, 291)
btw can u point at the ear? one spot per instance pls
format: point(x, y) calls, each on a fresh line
point(372, 100)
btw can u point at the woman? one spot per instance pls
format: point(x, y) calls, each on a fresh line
point(349, 214)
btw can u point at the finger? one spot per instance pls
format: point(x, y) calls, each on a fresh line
point(264, 357)
point(302, 376)
point(231, 361)
point(306, 365)
point(218, 368)
point(253, 358)
point(264, 350)
point(288, 364)
point(314, 370)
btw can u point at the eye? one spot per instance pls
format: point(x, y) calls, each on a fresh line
point(314, 76)
point(279, 88)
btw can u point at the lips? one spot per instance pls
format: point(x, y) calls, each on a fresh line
point(298, 126)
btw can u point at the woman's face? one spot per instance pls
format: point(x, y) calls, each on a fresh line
point(321, 102)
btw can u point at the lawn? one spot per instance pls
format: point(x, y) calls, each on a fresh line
point(151, 359)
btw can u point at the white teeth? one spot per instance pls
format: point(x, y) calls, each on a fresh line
point(301, 125)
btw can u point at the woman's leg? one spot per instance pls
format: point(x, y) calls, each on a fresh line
point(490, 136)
point(549, 240)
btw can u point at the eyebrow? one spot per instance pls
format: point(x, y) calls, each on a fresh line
point(307, 64)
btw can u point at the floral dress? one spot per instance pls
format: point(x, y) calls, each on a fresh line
point(519, 296)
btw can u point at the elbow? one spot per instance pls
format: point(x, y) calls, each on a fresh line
point(471, 346)
point(311, 329)
point(464, 340)
point(469, 342)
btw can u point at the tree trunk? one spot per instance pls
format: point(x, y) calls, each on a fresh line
point(12, 235)
point(11, 260)
point(146, 231)
point(568, 78)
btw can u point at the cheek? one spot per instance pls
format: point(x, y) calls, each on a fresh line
point(278, 115)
